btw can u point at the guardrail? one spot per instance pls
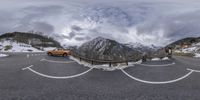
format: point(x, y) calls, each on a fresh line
point(95, 61)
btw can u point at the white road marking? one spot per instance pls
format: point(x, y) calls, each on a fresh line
point(56, 77)
point(66, 62)
point(27, 56)
point(198, 71)
point(161, 82)
point(27, 67)
point(158, 65)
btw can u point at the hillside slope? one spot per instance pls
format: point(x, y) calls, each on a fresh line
point(30, 38)
point(184, 41)
point(26, 42)
point(188, 46)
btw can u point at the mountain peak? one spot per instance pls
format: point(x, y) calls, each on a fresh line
point(106, 49)
point(99, 38)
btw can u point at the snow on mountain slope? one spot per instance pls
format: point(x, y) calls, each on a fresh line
point(142, 48)
point(9, 46)
point(106, 49)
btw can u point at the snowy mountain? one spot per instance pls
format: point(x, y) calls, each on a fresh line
point(106, 49)
point(143, 48)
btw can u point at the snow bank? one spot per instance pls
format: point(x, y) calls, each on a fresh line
point(165, 58)
point(49, 48)
point(197, 55)
point(159, 59)
point(155, 59)
point(189, 50)
point(3, 55)
point(105, 67)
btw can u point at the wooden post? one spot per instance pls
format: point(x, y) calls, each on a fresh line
point(92, 62)
point(127, 63)
point(110, 64)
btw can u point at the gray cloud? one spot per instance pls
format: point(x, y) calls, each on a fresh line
point(73, 22)
point(76, 28)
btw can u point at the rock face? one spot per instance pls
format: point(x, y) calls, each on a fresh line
point(106, 49)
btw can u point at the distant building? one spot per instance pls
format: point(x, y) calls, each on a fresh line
point(185, 45)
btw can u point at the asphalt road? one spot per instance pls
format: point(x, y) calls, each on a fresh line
point(96, 84)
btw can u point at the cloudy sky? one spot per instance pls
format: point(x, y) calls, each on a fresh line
point(73, 22)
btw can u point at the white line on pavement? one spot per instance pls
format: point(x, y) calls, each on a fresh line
point(158, 65)
point(198, 71)
point(27, 67)
point(57, 61)
point(27, 56)
point(56, 77)
point(161, 82)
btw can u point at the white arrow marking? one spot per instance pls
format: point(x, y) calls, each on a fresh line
point(158, 65)
point(56, 77)
point(153, 82)
point(66, 62)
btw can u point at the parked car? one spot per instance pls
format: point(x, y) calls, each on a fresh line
point(59, 52)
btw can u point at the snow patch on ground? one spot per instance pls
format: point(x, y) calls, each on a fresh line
point(155, 59)
point(105, 67)
point(189, 50)
point(159, 59)
point(197, 55)
point(3, 55)
point(165, 58)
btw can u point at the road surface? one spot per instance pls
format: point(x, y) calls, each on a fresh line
point(40, 77)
